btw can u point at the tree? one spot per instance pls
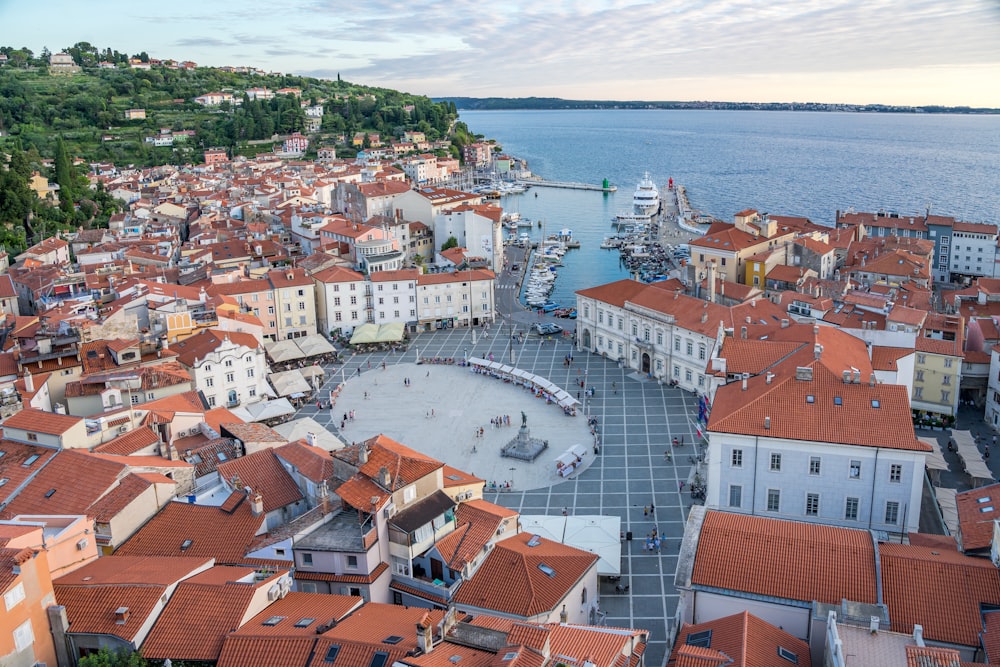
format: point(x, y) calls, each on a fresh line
point(106, 658)
point(64, 177)
point(452, 242)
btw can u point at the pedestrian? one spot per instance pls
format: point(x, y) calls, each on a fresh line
point(428, 374)
point(565, 511)
point(383, 365)
point(342, 425)
point(652, 511)
point(681, 483)
point(645, 510)
point(369, 364)
point(345, 417)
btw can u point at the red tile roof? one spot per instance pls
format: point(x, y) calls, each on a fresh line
point(405, 465)
point(510, 580)
point(129, 570)
point(212, 531)
point(130, 443)
point(200, 345)
point(263, 472)
point(71, 483)
point(741, 640)
point(294, 607)
point(91, 610)
point(942, 590)
point(977, 510)
point(854, 421)
point(785, 559)
point(199, 616)
point(13, 471)
point(39, 421)
point(311, 462)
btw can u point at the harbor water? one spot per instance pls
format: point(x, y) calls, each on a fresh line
point(785, 163)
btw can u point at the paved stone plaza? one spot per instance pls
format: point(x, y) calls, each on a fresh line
point(638, 419)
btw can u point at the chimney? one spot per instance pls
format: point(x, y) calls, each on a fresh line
point(847, 377)
point(362, 454)
point(746, 376)
point(743, 333)
point(767, 423)
point(29, 382)
point(563, 616)
point(857, 375)
point(704, 316)
point(121, 615)
point(873, 625)
point(769, 377)
point(871, 380)
point(785, 324)
point(448, 622)
point(818, 351)
point(425, 636)
point(257, 504)
point(311, 438)
point(385, 477)
point(918, 635)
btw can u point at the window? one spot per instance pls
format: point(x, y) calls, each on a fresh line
point(302, 305)
point(736, 458)
point(635, 330)
point(919, 376)
point(270, 310)
point(307, 560)
point(735, 495)
point(921, 358)
point(288, 307)
point(855, 472)
point(677, 345)
point(773, 500)
point(946, 379)
point(211, 401)
point(135, 401)
point(252, 392)
point(209, 382)
point(229, 363)
point(891, 512)
point(409, 493)
point(352, 562)
point(918, 393)
point(690, 348)
point(23, 636)
point(34, 436)
point(945, 396)
point(775, 462)
point(249, 372)
point(948, 362)
point(851, 509)
point(814, 465)
point(354, 300)
point(230, 377)
point(288, 321)
point(701, 351)
point(12, 597)
point(896, 473)
point(812, 504)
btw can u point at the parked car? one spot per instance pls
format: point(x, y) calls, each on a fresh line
point(547, 329)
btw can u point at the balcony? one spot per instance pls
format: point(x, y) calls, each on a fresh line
point(427, 586)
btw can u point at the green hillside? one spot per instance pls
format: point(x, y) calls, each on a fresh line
point(87, 109)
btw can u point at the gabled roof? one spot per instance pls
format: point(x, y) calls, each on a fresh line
point(39, 421)
point(201, 612)
point(740, 640)
point(200, 345)
point(311, 462)
point(511, 579)
point(784, 559)
point(616, 293)
point(405, 465)
point(18, 462)
point(942, 590)
point(478, 522)
point(71, 483)
point(222, 533)
point(262, 472)
point(131, 442)
point(824, 409)
point(93, 610)
point(129, 570)
point(977, 510)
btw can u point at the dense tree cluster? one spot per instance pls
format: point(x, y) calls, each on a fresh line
point(87, 109)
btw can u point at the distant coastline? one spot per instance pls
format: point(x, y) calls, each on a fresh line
point(525, 103)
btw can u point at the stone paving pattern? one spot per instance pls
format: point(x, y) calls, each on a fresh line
point(637, 418)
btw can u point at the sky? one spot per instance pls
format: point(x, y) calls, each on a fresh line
point(906, 52)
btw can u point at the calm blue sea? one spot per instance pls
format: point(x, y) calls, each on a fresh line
point(801, 163)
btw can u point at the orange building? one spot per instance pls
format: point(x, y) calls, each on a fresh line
point(27, 594)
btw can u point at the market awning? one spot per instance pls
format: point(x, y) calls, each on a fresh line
point(283, 350)
point(314, 345)
point(264, 410)
point(364, 334)
point(290, 382)
point(972, 460)
point(597, 534)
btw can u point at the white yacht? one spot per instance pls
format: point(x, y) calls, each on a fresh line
point(646, 200)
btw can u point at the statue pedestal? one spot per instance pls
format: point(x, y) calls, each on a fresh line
point(524, 447)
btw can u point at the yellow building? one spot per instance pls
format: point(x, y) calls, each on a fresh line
point(937, 371)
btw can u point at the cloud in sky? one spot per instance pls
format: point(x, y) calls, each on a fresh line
point(893, 51)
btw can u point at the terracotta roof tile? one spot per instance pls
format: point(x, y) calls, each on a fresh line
point(294, 607)
point(743, 640)
point(405, 465)
point(885, 358)
point(18, 462)
point(69, 484)
point(311, 462)
point(212, 533)
point(785, 559)
point(244, 651)
point(198, 617)
point(510, 580)
point(263, 472)
point(118, 498)
point(129, 570)
point(943, 591)
point(977, 510)
point(839, 413)
point(130, 443)
point(39, 421)
point(91, 610)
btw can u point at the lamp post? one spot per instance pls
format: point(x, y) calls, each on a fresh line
point(512, 470)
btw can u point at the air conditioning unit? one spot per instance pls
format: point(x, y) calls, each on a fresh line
point(123, 428)
point(81, 544)
point(273, 593)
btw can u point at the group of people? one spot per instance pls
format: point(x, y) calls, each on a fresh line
point(348, 416)
point(500, 420)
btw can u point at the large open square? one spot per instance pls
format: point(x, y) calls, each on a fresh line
point(637, 418)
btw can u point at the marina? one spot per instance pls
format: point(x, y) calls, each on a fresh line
point(566, 185)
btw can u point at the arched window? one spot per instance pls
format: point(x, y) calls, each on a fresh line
point(583, 596)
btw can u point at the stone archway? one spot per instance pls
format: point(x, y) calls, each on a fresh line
point(646, 363)
point(586, 339)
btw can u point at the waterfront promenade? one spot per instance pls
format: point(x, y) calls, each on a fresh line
point(637, 420)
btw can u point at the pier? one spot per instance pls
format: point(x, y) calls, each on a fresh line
point(570, 186)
